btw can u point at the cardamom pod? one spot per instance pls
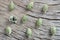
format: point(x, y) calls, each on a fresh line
point(8, 30)
point(28, 32)
point(39, 22)
point(53, 30)
point(13, 19)
point(11, 6)
point(24, 19)
point(45, 8)
point(30, 5)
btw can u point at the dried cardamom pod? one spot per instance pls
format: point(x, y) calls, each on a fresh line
point(28, 32)
point(8, 30)
point(30, 5)
point(45, 8)
point(24, 19)
point(39, 22)
point(13, 19)
point(53, 30)
point(11, 6)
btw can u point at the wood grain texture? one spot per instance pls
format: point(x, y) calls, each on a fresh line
point(52, 17)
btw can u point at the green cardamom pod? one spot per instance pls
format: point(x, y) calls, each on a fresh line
point(13, 19)
point(39, 22)
point(30, 5)
point(45, 8)
point(28, 32)
point(53, 30)
point(8, 30)
point(24, 19)
point(11, 6)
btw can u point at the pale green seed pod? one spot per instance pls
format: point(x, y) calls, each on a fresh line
point(39, 22)
point(45, 8)
point(28, 32)
point(13, 19)
point(8, 30)
point(11, 6)
point(53, 30)
point(30, 5)
point(24, 19)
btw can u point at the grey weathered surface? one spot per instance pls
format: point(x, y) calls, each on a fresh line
point(52, 17)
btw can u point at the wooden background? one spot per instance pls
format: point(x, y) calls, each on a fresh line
point(52, 17)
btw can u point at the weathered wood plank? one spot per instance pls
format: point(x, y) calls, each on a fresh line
point(52, 17)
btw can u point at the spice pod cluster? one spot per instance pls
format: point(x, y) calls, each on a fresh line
point(38, 23)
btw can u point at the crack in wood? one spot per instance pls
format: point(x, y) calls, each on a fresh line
point(42, 17)
point(15, 37)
